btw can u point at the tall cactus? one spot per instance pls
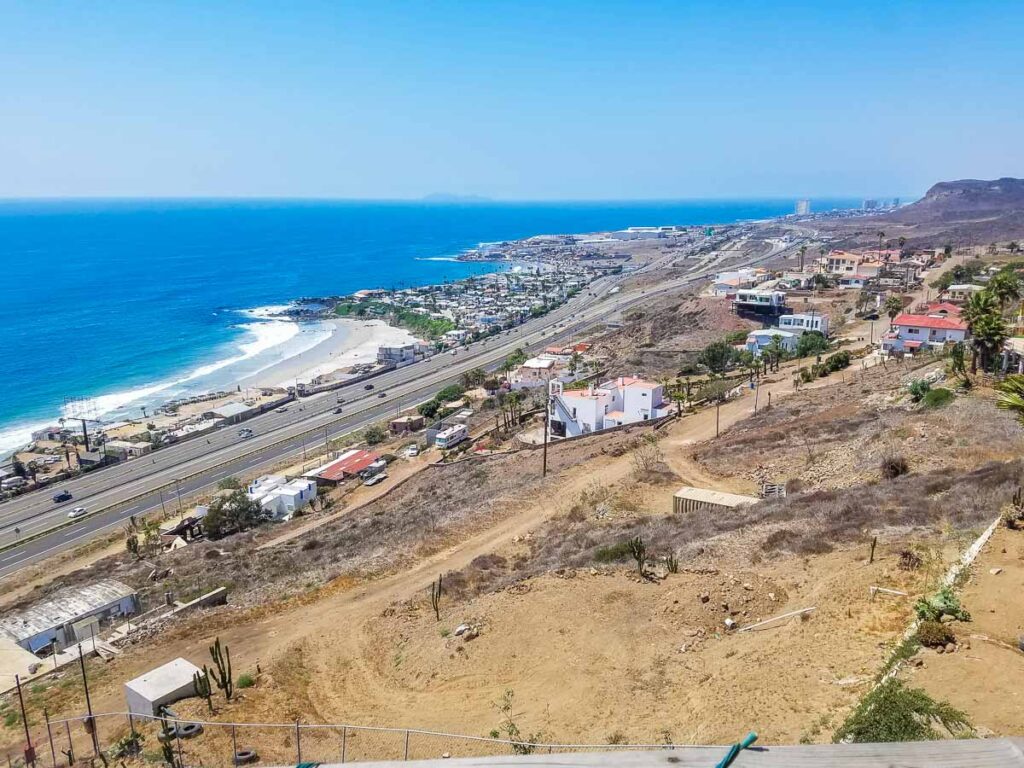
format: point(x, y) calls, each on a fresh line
point(435, 598)
point(222, 675)
point(201, 681)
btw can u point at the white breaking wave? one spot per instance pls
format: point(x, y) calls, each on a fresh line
point(260, 338)
point(437, 258)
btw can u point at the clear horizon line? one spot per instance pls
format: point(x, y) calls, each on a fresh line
point(439, 198)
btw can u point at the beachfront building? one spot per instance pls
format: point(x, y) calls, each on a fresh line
point(625, 400)
point(403, 354)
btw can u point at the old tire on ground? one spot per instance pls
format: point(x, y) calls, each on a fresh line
point(246, 756)
point(188, 730)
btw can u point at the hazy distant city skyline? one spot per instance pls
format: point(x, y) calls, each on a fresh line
point(527, 101)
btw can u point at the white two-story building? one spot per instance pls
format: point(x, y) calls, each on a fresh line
point(281, 498)
point(913, 332)
point(625, 400)
point(803, 322)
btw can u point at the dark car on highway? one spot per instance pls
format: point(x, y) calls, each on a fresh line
point(61, 496)
point(368, 386)
point(382, 394)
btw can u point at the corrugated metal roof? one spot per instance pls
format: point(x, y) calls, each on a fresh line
point(66, 605)
point(714, 497)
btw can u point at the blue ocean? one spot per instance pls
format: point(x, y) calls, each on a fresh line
point(135, 301)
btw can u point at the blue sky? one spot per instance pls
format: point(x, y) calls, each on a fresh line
point(511, 100)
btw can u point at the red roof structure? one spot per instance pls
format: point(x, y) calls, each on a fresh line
point(929, 321)
point(347, 465)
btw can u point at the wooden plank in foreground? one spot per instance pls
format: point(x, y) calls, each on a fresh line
point(972, 753)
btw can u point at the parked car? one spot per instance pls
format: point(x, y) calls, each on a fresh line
point(411, 451)
point(61, 496)
point(374, 479)
point(76, 512)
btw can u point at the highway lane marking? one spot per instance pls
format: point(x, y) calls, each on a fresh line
point(412, 387)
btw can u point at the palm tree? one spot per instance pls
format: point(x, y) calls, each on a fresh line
point(1005, 287)
point(1013, 247)
point(983, 322)
point(803, 251)
point(881, 237)
point(988, 335)
point(1011, 395)
point(893, 306)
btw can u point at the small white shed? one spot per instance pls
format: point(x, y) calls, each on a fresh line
point(163, 685)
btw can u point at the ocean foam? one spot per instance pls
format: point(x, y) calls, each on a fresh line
point(260, 337)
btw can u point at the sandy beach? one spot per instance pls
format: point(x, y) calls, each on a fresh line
point(350, 342)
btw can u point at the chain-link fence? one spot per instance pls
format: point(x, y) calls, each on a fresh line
point(186, 743)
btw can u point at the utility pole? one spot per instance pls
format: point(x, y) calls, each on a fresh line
point(90, 721)
point(547, 416)
point(163, 509)
point(718, 410)
point(30, 753)
point(177, 485)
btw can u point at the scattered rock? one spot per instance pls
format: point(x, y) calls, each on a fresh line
point(995, 571)
point(705, 597)
point(917, 661)
point(446, 755)
point(950, 648)
point(940, 649)
point(730, 624)
point(748, 587)
point(771, 596)
point(947, 619)
point(471, 634)
point(462, 629)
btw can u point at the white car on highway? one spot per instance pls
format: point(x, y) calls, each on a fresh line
point(76, 512)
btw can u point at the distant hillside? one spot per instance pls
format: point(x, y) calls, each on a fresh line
point(965, 200)
point(964, 211)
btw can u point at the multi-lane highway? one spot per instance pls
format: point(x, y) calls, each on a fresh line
point(33, 527)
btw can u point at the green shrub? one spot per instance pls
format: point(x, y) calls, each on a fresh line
point(613, 553)
point(934, 633)
point(918, 388)
point(893, 712)
point(245, 680)
point(838, 361)
point(942, 603)
point(936, 398)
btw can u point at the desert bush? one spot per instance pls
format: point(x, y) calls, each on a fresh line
point(893, 712)
point(933, 634)
point(909, 560)
point(918, 388)
point(613, 553)
point(938, 397)
point(893, 465)
point(942, 603)
point(245, 680)
point(310, 544)
point(647, 456)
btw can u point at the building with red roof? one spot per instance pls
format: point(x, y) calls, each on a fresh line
point(913, 332)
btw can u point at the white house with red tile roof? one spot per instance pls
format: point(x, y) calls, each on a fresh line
point(913, 332)
point(942, 309)
point(625, 400)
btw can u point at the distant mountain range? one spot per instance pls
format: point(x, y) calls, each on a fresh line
point(965, 211)
point(965, 200)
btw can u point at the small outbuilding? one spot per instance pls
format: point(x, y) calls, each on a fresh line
point(173, 681)
point(690, 499)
